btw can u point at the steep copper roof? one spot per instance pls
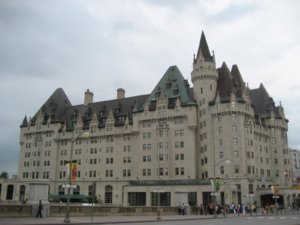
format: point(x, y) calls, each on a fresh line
point(174, 86)
point(224, 83)
point(24, 123)
point(238, 82)
point(122, 109)
point(203, 49)
point(263, 104)
point(57, 102)
point(59, 109)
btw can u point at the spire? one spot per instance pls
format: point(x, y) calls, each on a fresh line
point(24, 123)
point(225, 84)
point(203, 49)
point(237, 77)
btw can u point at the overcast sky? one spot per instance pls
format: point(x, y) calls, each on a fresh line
point(107, 44)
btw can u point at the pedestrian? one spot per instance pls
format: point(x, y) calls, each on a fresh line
point(183, 209)
point(40, 209)
point(197, 209)
point(179, 209)
point(201, 209)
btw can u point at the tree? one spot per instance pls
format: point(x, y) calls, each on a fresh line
point(4, 175)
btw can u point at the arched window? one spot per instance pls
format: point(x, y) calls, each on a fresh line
point(108, 194)
point(10, 192)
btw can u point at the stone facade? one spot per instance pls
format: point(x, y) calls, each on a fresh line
point(170, 141)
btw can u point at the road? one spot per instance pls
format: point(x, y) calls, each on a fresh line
point(248, 220)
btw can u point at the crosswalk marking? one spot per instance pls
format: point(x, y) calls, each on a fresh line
point(273, 217)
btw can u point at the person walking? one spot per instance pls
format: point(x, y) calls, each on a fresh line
point(40, 209)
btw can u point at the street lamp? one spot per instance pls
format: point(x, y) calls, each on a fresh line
point(216, 184)
point(275, 189)
point(83, 135)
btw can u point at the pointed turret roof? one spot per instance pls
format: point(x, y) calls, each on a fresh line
point(203, 49)
point(24, 123)
point(262, 102)
point(238, 82)
point(225, 85)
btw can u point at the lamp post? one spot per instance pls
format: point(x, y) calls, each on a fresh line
point(216, 184)
point(83, 135)
point(275, 189)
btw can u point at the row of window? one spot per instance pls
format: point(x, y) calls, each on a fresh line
point(36, 163)
point(177, 120)
point(163, 133)
point(38, 135)
point(36, 154)
point(179, 171)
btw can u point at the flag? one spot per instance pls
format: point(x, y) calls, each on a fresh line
point(73, 169)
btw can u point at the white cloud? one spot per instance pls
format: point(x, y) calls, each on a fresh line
point(104, 45)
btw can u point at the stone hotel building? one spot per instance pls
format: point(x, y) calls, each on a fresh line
point(163, 146)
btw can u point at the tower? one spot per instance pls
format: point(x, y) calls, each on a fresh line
point(204, 74)
point(204, 79)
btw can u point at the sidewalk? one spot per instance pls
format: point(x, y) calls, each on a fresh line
point(99, 219)
point(115, 219)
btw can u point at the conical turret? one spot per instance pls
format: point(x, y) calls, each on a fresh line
point(204, 74)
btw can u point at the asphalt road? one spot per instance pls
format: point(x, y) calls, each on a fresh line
point(248, 220)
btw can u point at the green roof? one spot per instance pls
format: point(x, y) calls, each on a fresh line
point(174, 86)
point(169, 182)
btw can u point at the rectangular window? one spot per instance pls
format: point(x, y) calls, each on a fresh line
point(236, 154)
point(160, 145)
point(164, 198)
point(137, 198)
point(235, 141)
point(249, 169)
point(222, 170)
point(233, 116)
point(220, 142)
point(236, 169)
point(234, 129)
point(220, 130)
point(221, 155)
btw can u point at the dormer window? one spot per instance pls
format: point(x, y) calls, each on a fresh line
point(157, 94)
point(175, 91)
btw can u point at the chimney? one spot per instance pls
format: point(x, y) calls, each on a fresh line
point(120, 93)
point(88, 97)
